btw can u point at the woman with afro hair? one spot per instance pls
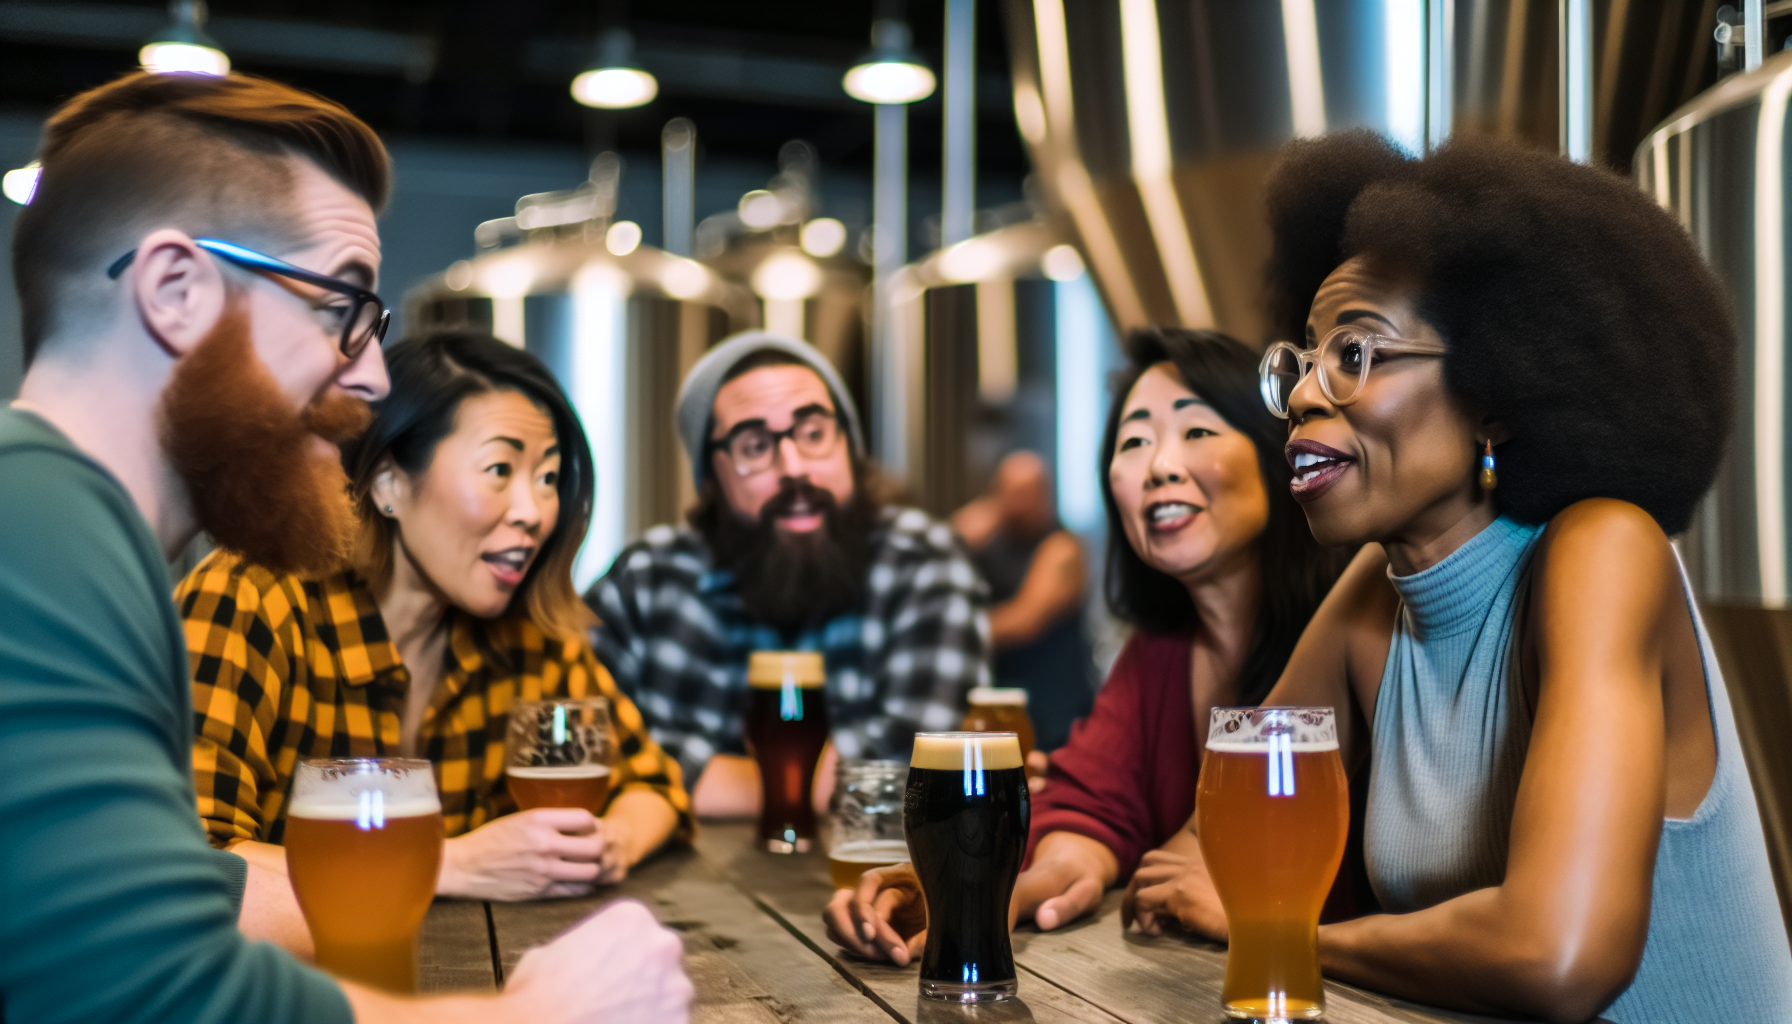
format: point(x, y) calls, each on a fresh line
point(1511, 383)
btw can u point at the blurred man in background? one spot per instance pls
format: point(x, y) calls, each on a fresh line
point(1037, 575)
point(789, 547)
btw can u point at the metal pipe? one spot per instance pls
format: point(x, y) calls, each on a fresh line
point(889, 238)
point(960, 198)
point(1575, 67)
point(678, 151)
point(1754, 23)
point(1440, 43)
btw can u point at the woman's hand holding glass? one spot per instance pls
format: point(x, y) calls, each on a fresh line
point(545, 853)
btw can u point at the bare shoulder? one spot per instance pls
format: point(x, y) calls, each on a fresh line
point(1604, 546)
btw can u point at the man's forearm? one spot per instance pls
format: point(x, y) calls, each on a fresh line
point(270, 909)
point(646, 818)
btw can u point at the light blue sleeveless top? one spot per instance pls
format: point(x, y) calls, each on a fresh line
point(1451, 732)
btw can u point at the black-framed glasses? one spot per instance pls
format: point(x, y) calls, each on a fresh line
point(1343, 357)
point(364, 318)
point(753, 447)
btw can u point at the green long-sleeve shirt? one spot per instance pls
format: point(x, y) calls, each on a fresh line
point(112, 905)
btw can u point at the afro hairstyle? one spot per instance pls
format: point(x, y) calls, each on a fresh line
point(1575, 311)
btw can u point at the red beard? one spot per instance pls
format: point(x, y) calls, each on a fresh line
point(253, 478)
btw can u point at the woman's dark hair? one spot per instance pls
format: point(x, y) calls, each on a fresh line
point(1576, 312)
point(431, 376)
point(1296, 571)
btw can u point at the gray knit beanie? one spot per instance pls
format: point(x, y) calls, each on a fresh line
point(697, 396)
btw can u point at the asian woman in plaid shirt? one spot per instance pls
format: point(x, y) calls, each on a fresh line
point(473, 485)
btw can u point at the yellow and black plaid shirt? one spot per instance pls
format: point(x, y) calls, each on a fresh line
point(286, 669)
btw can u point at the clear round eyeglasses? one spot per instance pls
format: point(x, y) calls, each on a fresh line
point(753, 447)
point(1344, 358)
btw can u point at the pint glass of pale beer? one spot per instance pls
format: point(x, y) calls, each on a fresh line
point(787, 726)
point(867, 808)
point(1271, 812)
point(558, 753)
point(363, 847)
point(965, 811)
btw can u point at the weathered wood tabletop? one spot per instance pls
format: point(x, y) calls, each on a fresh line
point(755, 950)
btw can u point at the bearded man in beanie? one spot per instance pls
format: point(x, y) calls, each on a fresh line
point(789, 547)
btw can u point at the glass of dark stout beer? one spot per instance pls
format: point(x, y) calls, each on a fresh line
point(965, 812)
point(557, 753)
point(787, 727)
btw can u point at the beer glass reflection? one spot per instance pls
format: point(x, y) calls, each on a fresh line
point(787, 727)
point(363, 848)
point(867, 808)
point(558, 753)
point(965, 811)
point(1000, 709)
point(1271, 811)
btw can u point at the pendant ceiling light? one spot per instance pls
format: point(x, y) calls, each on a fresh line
point(891, 72)
point(182, 46)
point(614, 83)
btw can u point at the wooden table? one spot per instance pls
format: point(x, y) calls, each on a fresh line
point(756, 951)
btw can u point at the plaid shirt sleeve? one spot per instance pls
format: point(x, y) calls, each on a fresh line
point(929, 611)
point(240, 673)
point(667, 647)
point(641, 763)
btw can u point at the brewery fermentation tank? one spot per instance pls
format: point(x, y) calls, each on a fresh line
point(1153, 123)
point(619, 323)
point(1719, 164)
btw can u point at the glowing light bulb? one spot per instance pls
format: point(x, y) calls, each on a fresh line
point(823, 237)
point(889, 81)
point(21, 184)
point(786, 277)
point(615, 88)
point(622, 238)
point(183, 58)
point(1062, 263)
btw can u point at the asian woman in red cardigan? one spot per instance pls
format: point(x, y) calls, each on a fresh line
point(1211, 562)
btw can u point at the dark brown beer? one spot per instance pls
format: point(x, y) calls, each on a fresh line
point(1271, 817)
point(580, 785)
point(966, 816)
point(787, 727)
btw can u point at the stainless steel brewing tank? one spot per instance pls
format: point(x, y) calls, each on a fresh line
point(1154, 122)
point(1720, 165)
point(620, 332)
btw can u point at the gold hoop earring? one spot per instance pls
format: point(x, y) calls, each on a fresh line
point(1489, 479)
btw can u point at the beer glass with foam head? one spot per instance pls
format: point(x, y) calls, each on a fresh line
point(1271, 811)
point(1000, 709)
point(787, 727)
point(558, 753)
point(965, 811)
point(363, 848)
point(867, 809)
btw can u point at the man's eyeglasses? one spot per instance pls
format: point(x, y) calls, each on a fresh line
point(753, 448)
point(1344, 358)
point(362, 319)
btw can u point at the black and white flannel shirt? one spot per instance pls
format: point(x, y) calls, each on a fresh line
point(676, 638)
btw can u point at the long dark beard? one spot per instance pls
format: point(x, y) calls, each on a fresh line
point(793, 582)
point(253, 479)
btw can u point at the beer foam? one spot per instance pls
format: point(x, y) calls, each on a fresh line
point(769, 670)
point(565, 771)
point(987, 695)
point(957, 751)
point(363, 789)
point(337, 807)
point(1259, 747)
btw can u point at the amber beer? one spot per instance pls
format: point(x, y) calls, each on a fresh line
point(1000, 709)
point(1271, 812)
point(363, 848)
point(965, 813)
point(579, 785)
point(787, 727)
point(557, 753)
point(847, 861)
